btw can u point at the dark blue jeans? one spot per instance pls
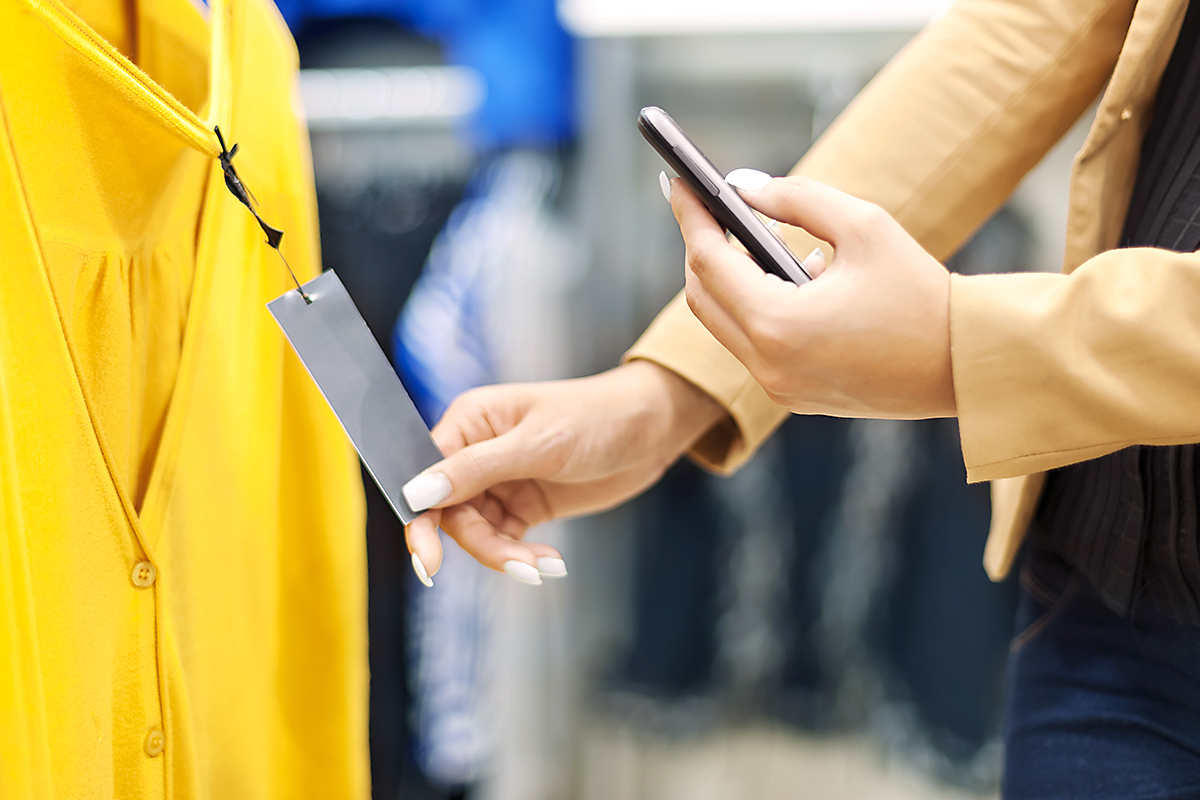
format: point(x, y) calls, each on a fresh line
point(1098, 706)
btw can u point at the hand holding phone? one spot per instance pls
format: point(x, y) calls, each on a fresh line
point(722, 200)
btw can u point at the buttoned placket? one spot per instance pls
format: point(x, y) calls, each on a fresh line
point(199, 134)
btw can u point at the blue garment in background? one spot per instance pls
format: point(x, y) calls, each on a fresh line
point(441, 348)
point(448, 339)
point(519, 48)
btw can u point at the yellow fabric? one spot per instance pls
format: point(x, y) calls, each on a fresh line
point(150, 410)
point(1048, 369)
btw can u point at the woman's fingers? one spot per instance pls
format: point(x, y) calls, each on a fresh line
point(750, 181)
point(727, 273)
point(490, 545)
point(478, 467)
point(492, 549)
point(425, 545)
point(815, 263)
point(746, 310)
point(726, 290)
point(724, 328)
point(550, 562)
point(823, 211)
point(492, 508)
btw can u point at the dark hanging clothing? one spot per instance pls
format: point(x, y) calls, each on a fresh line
point(1128, 521)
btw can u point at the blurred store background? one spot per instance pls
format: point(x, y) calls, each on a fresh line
point(819, 625)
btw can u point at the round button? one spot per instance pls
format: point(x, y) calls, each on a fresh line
point(1127, 113)
point(144, 574)
point(155, 742)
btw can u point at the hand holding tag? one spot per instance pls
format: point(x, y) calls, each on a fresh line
point(522, 454)
point(333, 341)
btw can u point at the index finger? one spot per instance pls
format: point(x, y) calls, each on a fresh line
point(478, 467)
point(729, 275)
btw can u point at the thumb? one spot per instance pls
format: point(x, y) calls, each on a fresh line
point(480, 466)
point(822, 210)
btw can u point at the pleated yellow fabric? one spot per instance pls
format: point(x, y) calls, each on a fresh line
point(182, 571)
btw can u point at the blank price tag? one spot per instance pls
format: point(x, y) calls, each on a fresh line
point(345, 361)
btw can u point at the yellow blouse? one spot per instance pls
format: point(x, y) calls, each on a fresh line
point(182, 576)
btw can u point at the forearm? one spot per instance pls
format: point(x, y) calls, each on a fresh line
point(676, 341)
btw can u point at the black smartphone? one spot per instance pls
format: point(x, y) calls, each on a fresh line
point(726, 205)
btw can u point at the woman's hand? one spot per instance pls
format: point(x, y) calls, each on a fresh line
point(521, 454)
point(868, 337)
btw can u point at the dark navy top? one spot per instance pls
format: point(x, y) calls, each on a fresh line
point(1128, 521)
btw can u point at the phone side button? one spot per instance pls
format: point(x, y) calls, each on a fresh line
point(699, 174)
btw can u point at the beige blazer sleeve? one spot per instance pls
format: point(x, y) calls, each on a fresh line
point(1055, 369)
point(940, 138)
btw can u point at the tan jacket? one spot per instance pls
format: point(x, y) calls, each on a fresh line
point(1048, 369)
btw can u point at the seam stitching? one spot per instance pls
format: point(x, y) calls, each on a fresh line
point(1041, 623)
point(160, 103)
point(9, 154)
point(1120, 444)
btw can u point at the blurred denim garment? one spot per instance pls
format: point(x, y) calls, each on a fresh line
point(525, 57)
point(449, 338)
point(1100, 705)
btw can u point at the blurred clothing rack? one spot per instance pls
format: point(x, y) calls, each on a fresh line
point(353, 99)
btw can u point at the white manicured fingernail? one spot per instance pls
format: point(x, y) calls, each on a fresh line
point(523, 572)
point(425, 490)
point(664, 183)
point(422, 575)
point(816, 253)
point(750, 180)
point(549, 567)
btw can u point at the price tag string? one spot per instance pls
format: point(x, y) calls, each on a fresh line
point(247, 198)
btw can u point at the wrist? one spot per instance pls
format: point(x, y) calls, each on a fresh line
point(681, 410)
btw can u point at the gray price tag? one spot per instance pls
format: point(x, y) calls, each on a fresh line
point(345, 361)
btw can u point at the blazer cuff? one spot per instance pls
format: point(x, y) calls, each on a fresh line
point(994, 356)
point(677, 341)
point(1051, 370)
